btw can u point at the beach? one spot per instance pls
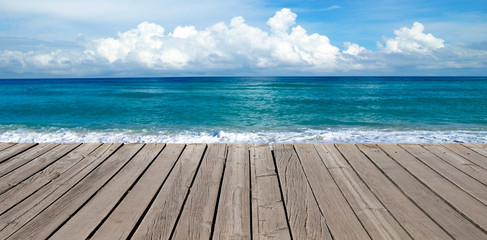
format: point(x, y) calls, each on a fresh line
point(243, 191)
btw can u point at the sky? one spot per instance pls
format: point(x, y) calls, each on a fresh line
point(127, 38)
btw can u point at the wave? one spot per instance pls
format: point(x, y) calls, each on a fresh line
point(351, 135)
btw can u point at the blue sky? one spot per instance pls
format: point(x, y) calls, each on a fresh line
point(254, 37)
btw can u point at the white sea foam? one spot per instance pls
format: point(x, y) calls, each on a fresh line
point(305, 135)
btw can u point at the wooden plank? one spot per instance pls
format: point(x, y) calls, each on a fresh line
point(38, 180)
point(20, 214)
point(342, 221)
point(467, 154)
point(233, 214)
point(268, 214)
point(411, 218)
point(373, 215)
point(15, 177)
point(457, 177)
point(305, 217)
point(159, 221)
point(197, 215)
point(477, 147)
point(53, 216)
point(460, 200)
point(472, 169)
point(14, 150)
point(124, 218)
point(442, 213)
point(25, 157)
point(93, 212)
point(5, 145)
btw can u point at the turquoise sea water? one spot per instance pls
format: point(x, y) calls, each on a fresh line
point(242, 109)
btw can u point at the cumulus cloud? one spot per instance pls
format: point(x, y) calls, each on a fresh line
point(283, 19)
point(413, 40)
point(237, 44)
point(353, 49)
point(239, 47)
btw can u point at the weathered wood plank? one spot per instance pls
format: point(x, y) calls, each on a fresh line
point(53, 216)
point(268, 214)
point(442, 213)
point(233, 214)
point(20, 214)
point(477, 147)
point(5, 145)
point(460, 200)
point(38, 180)
point(305, 217)
point(15, 177)
point(124, 218)
point(92, 213)
point(467, 154)
point(457, 177)
point(341, 220)
point(14, 150)
point(25, 157)
point(197, 215)
point(413, 220)
point(457, 161)
point(161, 217)
point(373, 215)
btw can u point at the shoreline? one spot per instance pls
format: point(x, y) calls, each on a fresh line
point(352, 135)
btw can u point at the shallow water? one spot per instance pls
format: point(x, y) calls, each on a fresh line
point(241, 109)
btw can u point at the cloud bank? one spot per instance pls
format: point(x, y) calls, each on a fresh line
point(239, 47)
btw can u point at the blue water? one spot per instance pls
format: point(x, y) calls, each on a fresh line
point(235, 109)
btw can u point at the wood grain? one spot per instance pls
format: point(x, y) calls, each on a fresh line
point(305, 217)
point(468, 154)
point(92, 213)
point(30, 207)
point(460, 200)
point(477, 147)
point(442, 213)
point(38, 180)
point(373, 215)
point(197, 216)
point(233, 214)
point(124, 218)
point(457, 161)
point(411, 218)
point(14, 150)
point(268, 214)
point(42, 225)
point(342, 221)
point(5, 145)
point(15, 177)
point(159, 221)
point(468, 184)
point(25, 157)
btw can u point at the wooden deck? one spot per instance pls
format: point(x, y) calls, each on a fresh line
point(242, 191)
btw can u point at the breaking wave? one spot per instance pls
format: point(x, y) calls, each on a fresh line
point(351, 135)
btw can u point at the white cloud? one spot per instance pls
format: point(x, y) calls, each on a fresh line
point(184, 32)
point(281, 22)
point(237, 44)
point(353, 49)
point(239, 48)
point(413, 40)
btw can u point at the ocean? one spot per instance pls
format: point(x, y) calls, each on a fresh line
point(245, 109)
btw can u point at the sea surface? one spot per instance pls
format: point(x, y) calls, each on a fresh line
point(245, 109)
